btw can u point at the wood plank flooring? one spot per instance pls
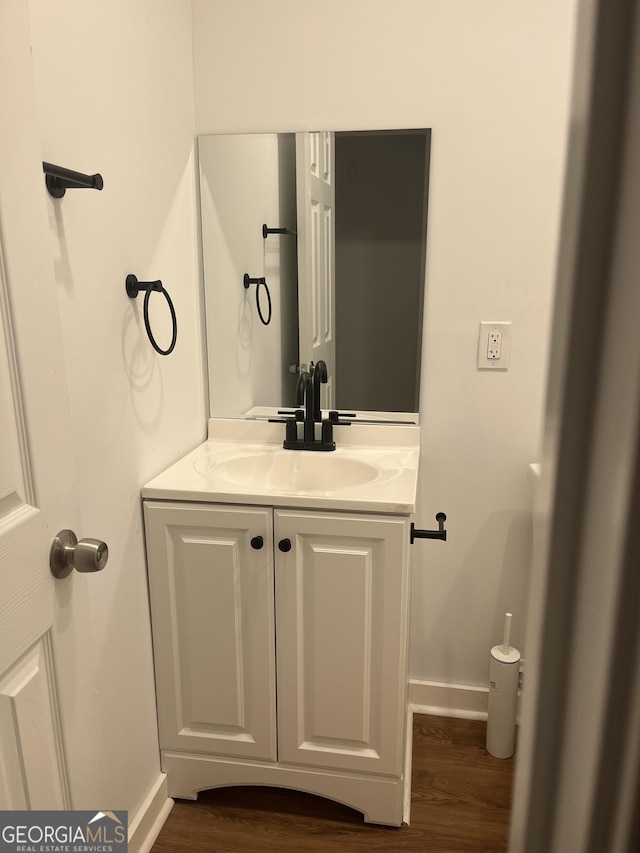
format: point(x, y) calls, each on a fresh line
point(460, 802)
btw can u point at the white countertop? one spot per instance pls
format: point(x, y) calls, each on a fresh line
point(361, 415)
point(393, 451)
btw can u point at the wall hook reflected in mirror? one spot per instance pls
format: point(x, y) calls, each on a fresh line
point(266, 231)
point(59, 180)
point(260, 282)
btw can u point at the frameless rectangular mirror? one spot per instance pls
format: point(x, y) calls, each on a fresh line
point(314, 248)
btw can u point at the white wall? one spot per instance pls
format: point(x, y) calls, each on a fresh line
point(492, 81)
point(115, 95)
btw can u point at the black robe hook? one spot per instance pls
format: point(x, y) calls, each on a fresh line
point(59, 180)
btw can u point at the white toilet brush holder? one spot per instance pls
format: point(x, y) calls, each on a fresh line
point(504, 673)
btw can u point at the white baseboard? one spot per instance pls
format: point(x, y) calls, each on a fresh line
point(150, 817)
point(448, 700)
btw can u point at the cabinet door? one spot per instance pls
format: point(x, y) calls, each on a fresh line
point(213, 634)
point(341, 605)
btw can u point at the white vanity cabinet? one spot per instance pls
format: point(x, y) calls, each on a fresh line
point(280, 646)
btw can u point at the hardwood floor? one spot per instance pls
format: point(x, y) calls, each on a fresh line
point(460, 802)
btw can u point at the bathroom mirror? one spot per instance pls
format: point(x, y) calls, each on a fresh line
point(314, 247)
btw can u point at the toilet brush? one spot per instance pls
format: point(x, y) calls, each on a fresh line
point(503, 695)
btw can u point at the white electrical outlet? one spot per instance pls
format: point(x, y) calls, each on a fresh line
point(494, 346)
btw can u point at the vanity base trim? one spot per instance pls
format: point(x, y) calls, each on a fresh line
point(380, 800)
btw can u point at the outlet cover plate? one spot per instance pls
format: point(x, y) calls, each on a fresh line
point(486, 341)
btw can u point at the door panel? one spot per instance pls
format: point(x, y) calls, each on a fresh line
point(25, 590)
point(212, 603)
point(30, 744)
point(331, 663)
point(315, 195)
point(341, 602)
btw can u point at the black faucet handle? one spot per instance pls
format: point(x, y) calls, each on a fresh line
point(334, 417)
point(297, 415)
point(327, 433)
point(291, 431)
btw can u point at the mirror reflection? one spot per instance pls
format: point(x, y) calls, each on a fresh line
point(337, 274)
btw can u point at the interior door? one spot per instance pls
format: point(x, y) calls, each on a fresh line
point(315, 196)
point(35, 457)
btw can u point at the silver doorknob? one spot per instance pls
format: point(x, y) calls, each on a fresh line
point(67, 554)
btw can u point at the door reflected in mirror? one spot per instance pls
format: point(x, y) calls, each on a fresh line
point(342, 256)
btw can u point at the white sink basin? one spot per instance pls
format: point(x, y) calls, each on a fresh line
point(295, 471)
point(373, 469)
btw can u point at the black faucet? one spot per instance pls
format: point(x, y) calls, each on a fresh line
point(308, 394)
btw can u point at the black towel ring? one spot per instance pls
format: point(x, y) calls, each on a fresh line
point(133, 287)
point(260, 282)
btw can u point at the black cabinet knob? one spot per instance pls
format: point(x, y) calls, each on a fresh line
point(284, 545)
point(257, 542)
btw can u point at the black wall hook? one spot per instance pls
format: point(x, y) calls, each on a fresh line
point(440, 533)
point(133, 288)
point(59, 180)
point(266, 231)
point(261, 282)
